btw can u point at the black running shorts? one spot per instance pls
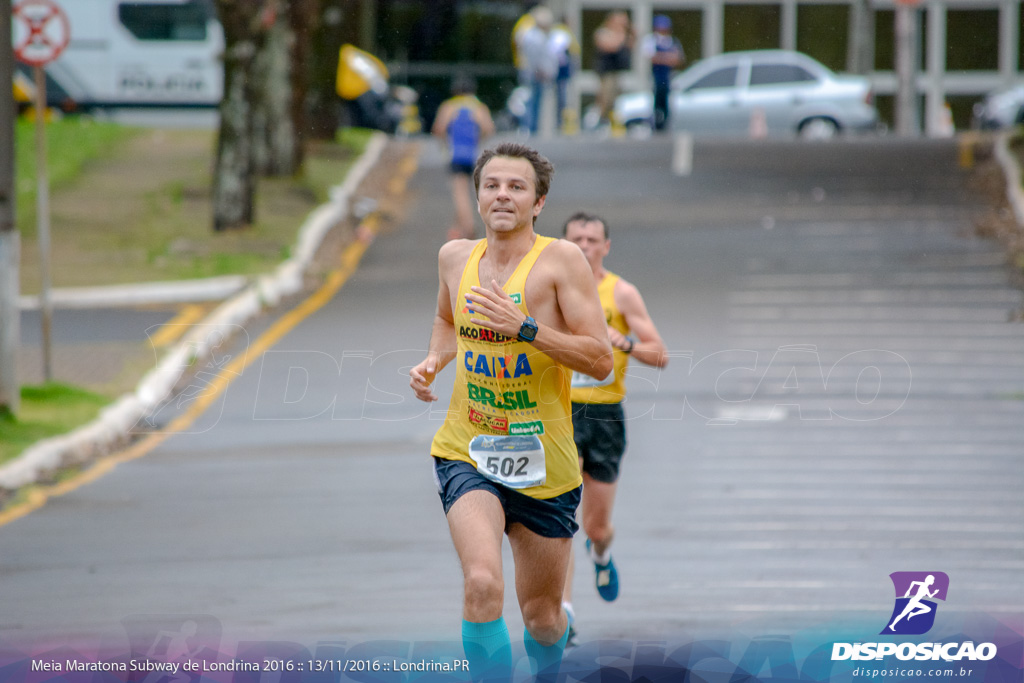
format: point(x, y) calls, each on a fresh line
point(549, 517)
point(600, 433)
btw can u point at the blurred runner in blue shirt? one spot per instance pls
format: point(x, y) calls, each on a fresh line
point(461, 123)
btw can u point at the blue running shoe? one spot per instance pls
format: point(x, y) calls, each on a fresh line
point(606, 579)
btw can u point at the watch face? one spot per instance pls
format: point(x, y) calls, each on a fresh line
point(528, 330)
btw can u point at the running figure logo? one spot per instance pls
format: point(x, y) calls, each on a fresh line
point(914, 612)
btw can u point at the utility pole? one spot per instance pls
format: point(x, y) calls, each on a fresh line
point(907, 120)
point(10, 244)
point(860, 53)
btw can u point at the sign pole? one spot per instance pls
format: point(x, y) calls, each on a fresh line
point(43, 222)
point(42, 31)
point(10, 238)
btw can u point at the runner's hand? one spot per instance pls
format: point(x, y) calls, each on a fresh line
point(503, 315)
point(422, 376)
point(617, 339)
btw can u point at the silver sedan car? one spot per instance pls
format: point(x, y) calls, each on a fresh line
point(763, 93)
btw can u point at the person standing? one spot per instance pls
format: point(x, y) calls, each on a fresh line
point(519, 29)
point(540, 62)
point(666, 54)
point(519, 314)
point(597, 414)
point(566, 50)
point(614, 40)
point(462, 121)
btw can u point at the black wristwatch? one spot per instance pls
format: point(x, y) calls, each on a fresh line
point(528, 330)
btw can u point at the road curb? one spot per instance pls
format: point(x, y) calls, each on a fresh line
point(185, 291)
point(112, 428)
point(1011, 171)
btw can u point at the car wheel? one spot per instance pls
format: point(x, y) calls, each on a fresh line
point(818, 128)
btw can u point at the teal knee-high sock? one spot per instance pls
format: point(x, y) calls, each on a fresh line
point(547, 659)
point(489, 650)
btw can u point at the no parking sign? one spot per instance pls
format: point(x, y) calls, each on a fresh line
point(41, 31)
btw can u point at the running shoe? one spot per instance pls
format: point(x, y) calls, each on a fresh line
point(606, 579)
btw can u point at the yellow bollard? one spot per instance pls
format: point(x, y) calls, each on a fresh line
point(966, 149)
point(570, 122)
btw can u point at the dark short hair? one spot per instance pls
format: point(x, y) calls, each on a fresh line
point(463, 84)
point(542, 168)
point(586, 218)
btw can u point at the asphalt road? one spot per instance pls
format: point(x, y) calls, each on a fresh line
point(845, 400)
point(72, 327)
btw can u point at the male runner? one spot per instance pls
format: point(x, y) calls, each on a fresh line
point(517, 312)
point(598, 418)
point(462, 121)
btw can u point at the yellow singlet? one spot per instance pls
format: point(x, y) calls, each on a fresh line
point(510, 400)
point(460, 101)
point(612, 389)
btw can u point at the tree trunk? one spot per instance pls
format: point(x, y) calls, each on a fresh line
point(274, 137)
point(338, 24)
point(234, 181)
point(304, 16)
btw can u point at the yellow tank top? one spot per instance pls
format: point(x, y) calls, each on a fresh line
point(506, 391)
point(612, 389)
point(460, 101)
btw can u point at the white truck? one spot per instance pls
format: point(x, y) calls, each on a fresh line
point(137, 53)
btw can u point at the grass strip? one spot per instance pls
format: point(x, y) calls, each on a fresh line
point(71, 143)
point(46, 410)
point(140, 208)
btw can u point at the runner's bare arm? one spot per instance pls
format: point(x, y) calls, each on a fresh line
point(441, 121)
point(648, 348)
point(585, 347)
point(485, 121)
point(443, 342)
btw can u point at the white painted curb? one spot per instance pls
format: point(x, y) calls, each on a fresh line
point(112, 427)
point(208, 289)
point(1011, 171)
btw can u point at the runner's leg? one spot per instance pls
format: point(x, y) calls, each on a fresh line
point(541, 570)
point(477, 523)
point(596, 506)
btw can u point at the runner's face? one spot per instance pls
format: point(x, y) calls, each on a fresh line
point(507, 198)
point(589, 236)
